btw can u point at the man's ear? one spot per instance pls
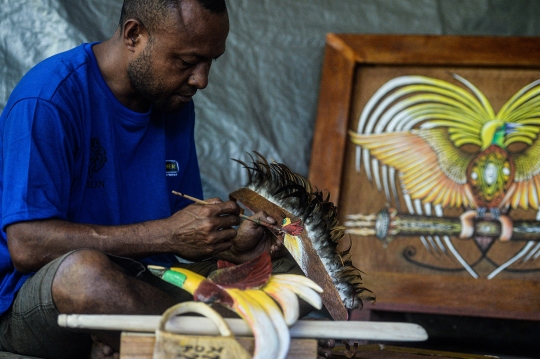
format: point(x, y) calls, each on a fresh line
point(134, 35)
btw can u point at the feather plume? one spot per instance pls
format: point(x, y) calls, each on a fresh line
point(295, 194)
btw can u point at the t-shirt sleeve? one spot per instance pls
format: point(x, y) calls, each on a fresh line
point(36, 159)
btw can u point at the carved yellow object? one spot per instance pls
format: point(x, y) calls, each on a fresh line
point(250, 290)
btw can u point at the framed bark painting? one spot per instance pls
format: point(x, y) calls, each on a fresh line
point(429, 147)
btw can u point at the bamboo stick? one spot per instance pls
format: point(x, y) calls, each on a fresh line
point(314, 329)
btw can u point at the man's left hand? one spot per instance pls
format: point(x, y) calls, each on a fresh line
point(251, 240)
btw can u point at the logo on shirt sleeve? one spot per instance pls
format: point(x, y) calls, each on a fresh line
point(171, 168)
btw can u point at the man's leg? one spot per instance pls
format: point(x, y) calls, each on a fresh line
point(83, 282)
point(89, 282)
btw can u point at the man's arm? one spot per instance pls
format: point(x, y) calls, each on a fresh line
point(196, 232)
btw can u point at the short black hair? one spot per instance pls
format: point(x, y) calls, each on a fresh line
point(215, 6)
point(152, 12)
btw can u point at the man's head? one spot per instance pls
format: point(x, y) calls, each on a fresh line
point(152, 12)
point(171, 45)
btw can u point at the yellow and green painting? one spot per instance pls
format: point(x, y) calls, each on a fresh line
point(442, 147)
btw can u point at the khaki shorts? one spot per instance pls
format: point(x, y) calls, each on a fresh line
point(30, 326)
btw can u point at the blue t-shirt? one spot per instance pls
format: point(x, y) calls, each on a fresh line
point(69, 150)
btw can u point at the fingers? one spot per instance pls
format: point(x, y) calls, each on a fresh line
point(325, 347)
point(223, 236)
point(262, 217)
point(225, 208)
point(226, 221)
point(214, 200)
point(327, 343)
point(102, 351)
point(202, 230)
point(219, 247)
point(207, 229)
point(275, 247)
point(217, 215)
point(255, 235)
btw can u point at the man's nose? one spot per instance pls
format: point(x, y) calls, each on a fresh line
point(199, 76)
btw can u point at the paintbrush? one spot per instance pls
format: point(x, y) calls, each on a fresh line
point(292, 229)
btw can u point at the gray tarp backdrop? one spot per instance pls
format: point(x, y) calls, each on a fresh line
point(263, 92)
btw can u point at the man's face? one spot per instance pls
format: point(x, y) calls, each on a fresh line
point(176, 60)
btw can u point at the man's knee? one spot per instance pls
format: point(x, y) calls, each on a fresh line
point(81, 277)
point(86, 255)
point(82, 266)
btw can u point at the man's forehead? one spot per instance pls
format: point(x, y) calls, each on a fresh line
point(202, 36)
point(193, 17)
point(195, 22)
point(195, 45)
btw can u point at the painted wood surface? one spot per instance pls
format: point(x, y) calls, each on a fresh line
point(346, 53)
point(313, 268)
point(379, 351)
point(355, 66)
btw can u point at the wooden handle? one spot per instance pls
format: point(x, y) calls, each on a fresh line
point(314, 329)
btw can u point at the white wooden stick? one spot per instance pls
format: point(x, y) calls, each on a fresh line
point(315, 329)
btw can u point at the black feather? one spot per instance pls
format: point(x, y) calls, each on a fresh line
point(295, 194)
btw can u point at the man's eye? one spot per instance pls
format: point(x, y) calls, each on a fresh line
point(185, 63)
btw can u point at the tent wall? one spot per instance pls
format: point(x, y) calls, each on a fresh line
point(263, 92)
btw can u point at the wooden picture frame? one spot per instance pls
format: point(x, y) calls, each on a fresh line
point(354, 67)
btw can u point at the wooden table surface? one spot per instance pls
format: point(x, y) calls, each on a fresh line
point(380, 351)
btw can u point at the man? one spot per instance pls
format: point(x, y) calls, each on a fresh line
point(93, 141)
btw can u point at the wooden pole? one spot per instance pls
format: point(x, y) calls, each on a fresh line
point(314, 329)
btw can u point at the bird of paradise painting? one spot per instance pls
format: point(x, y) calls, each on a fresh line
point(443, 147)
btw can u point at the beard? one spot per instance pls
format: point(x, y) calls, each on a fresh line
point(148, 85)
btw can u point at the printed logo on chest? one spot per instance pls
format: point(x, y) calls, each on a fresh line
point(98, 158)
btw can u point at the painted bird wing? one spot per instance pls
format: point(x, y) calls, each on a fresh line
point(526, 187)
point(252, 274)
point(523, 109)
point(431, 168)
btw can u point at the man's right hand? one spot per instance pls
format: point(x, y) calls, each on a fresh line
point(203, 230)
point(194, 233)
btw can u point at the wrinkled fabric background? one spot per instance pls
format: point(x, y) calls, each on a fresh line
point(263, 92)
